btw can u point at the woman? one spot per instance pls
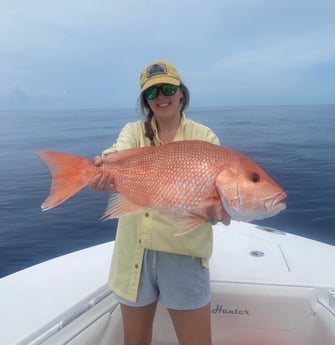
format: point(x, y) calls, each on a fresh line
point(149, 263)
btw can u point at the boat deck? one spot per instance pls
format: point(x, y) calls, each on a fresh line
point(268, 288)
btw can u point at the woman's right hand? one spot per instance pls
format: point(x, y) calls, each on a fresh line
point(102, 182)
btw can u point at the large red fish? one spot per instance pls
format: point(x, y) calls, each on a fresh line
point(182, 178)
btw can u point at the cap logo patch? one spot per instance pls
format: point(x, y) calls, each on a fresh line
point(159, 68)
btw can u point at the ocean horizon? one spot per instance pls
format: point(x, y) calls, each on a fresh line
point(294, 144)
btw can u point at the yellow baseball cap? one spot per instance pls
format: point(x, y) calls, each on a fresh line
point(159, 72)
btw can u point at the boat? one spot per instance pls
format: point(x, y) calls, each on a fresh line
point(269, 287)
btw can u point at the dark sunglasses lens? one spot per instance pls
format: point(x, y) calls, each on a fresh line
point(168, 89)
point(151, 93)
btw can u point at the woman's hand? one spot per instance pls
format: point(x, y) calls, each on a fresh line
point(216, 213)
point(102, 182)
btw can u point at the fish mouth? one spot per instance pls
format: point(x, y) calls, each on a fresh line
point(274, 202)
point(264, 209)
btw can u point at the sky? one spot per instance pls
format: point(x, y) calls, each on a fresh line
point(89, 54)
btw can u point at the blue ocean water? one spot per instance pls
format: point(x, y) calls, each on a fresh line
point(294, 144)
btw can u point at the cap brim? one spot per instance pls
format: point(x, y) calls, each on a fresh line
point(159, 79)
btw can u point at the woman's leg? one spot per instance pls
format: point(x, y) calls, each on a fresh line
point(193, 327)
point(137, 324)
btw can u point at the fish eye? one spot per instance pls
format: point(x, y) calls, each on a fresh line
point(254, 177)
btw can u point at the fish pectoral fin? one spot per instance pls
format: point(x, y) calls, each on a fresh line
point(119, 205)
point(205, 204)
point(187, 224)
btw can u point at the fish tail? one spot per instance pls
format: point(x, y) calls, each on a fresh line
point(69, 174)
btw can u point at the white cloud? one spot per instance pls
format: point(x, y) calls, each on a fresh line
point(292, 53)
point(95, 49)
point(273, 72)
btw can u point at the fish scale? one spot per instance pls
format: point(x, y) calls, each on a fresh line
point(186, 179)
point(173, 176)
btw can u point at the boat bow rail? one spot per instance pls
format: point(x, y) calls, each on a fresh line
point(103, 303)
point(38, 300)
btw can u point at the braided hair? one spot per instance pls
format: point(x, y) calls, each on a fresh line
point(148, 114)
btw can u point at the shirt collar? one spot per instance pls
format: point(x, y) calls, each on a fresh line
point(179, 133)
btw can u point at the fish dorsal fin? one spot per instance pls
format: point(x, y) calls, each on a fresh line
point(124, 154)
point(119, 205)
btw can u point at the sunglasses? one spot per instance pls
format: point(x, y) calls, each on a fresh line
point(153, 91)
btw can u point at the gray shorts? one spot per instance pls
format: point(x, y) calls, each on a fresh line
point(177, 281)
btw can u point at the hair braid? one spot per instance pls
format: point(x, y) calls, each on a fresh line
point(149, 132)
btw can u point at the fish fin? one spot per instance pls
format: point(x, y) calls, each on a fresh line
point(188, 224)
point(119, 205)
point(203, 205)
point(211, 202)
point(68, 176)
point(124, 154)
point(213, 210)
point(198, 216)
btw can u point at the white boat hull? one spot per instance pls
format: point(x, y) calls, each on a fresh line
point(268, 288)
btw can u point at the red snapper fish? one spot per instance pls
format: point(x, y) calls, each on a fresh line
point(186, 179)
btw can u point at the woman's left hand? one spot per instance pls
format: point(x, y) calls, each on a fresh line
point(103, 182)
point(216, 213)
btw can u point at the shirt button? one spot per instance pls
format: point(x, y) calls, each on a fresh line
point(136, 265)
point(146, 214)
point(139, 241)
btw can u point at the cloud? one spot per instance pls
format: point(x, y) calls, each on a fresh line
point(292, 55)
point(95, 50)
point(272, 72)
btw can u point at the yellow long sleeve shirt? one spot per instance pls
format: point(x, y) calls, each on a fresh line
point(151, 229)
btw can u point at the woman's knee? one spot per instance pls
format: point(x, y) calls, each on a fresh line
point(137, 324)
